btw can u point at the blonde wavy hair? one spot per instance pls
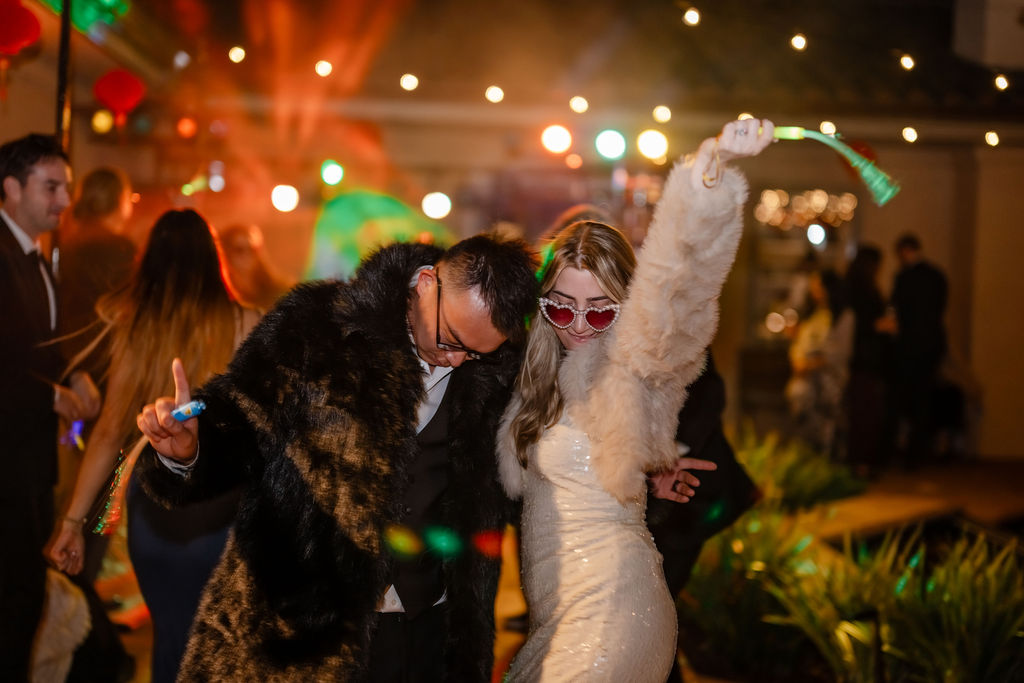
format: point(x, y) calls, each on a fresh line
point(587, 245)
point(176, 305)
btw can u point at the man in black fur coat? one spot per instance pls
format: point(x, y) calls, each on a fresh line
point(360, 430)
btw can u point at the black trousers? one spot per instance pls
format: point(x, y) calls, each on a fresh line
point(407, 650)
point(26, 521)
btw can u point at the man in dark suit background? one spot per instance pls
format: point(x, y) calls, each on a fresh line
point(919, 296)
point(34, 182)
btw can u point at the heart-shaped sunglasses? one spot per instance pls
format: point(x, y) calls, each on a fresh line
point(598, 318)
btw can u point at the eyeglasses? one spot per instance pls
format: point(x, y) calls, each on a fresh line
point(445, 346)
point(598, 318)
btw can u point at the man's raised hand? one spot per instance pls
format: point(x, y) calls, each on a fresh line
point(173, 439)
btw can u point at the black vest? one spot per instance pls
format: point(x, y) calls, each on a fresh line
point(418, 579)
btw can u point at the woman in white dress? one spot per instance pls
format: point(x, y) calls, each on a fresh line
point(595, 408)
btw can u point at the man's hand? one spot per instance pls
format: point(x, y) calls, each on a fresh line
point(676, 483)
point(87, 393)
point(67, 404)
point(172, 439)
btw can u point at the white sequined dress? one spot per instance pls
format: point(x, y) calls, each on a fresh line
point(599, 607)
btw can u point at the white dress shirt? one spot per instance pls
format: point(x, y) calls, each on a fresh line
point(29, 246)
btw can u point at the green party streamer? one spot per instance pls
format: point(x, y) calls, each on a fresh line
point(882, 187)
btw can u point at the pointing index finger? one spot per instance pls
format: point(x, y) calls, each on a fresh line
point(182, 393)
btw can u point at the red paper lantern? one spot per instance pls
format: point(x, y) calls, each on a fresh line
point(120, 91)
point(19, 28)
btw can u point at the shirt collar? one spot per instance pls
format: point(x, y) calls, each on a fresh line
point(27, 244)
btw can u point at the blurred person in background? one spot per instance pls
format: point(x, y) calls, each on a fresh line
point(176, 305)
point(95, 254)
point(250, 273)
point(919, 297)
point(870, 363)
point(819, 357)
point(35, 180)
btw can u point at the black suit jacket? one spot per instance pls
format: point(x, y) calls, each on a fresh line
point(680, 530)
point(28, 368)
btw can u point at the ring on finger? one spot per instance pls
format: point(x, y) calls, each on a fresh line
point(741, 131)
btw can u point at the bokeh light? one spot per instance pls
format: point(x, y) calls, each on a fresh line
point(579, 104)
point(102, 121)
point(744, 116)
point(408, 82)
point(442, 541)
point(907, 62)
point(610, 144)
point(1002, 82)
point(284, 198)
point(573, 161)
point(652, 143)
point(827, 128)
point(181, 59)
point(775, 324)
point(556, 139)
point(186, 127)
point(815, 234)
point(331, 172)
point(798, 42)
point(402, 541)
point(662, 114)
point(488, 543)
point(236, 54)
point(691, 17)
point(436, 205)
point(323, 68)
point(216, 183)
point(494, 94)
point(909, 134)
point(992, 138)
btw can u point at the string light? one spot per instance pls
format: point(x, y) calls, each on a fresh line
point(691, 17)
point(909, 134)
point(323, 68)
point(652, 144)
point(436, 205)
point(236, 54)
point(573, 161)
point(610, 144)
point(494, 94)
point(408, 82)
point(284, 198)
point(556, 139)
point(579, 104)
point(662, 114)
point(1002, 83)
point(827, 128)
point(798, 42)
point(102, 121)
point(992, 138)
point(907, 62)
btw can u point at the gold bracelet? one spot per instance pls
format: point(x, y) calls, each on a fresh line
point(75, 521)
point(709, 180)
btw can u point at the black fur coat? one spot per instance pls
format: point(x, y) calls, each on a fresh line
point(317, 416)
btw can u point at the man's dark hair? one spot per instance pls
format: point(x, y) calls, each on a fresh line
point(908, 241)
point(503, 270)
point(17, 157)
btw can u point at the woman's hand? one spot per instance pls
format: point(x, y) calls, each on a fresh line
point(738, 139)
point(676, 483)
point(68, 547)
